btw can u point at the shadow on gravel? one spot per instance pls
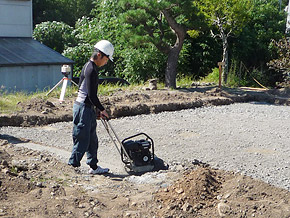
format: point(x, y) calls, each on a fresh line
point(159, 164)
point(12, 139)
point(260, 103)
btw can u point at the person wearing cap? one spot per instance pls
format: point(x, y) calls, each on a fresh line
point(85, 138)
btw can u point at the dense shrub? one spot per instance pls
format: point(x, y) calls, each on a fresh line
point(56, 35)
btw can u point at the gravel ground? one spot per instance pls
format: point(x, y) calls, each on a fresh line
point(250, 138)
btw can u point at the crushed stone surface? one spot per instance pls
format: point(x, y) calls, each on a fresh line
point(250, 138)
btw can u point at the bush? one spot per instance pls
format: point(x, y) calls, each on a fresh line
point(56, 35)
point(137, 65)
point(80, 54)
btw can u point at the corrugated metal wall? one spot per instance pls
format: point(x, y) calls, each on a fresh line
point(15, 18)
point(30, 78)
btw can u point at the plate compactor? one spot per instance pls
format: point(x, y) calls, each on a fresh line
point(137, 155)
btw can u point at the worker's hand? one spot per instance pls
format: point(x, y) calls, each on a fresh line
point(104, 114)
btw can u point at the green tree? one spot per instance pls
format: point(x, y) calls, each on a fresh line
point(254, 45)
point(282, 63)
point(164, 24)
point(266, 22)
point(199, 55)
point(67, 11)
point(134, 65)
point(226, 18)
point(103, 24)
point(56, 35)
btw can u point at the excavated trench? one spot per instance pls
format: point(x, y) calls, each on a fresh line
point(39, 112)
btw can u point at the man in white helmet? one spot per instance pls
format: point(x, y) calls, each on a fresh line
point(84, 114)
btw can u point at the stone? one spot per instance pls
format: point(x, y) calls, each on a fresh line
point(223, 209)
point(227, 195)
point(186, 207)
point(4, 163)
point(153, 84)
point(179, 191)
point(20, 165)
point(3, 142)
point(219, 197)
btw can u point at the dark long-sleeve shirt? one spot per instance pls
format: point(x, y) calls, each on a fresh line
point(88, 85)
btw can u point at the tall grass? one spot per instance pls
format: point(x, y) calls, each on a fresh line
point(213, 77)
point(184, 82)
point(9, 101)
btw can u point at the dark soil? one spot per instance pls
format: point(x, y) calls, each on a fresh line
point(34, 184)
point(130, 103)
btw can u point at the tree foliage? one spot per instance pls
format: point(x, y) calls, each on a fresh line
point(266, 22)
point(156, 38)
point(135, 65)
point(163, 24)
point(226, 18)
point(254, 48)
point(67, 11)
point(56, 35)
point(282, 63)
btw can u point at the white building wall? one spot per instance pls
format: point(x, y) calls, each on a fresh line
point(16, 18)
point(30, 78)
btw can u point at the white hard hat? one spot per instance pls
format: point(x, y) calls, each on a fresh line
point(106, 47)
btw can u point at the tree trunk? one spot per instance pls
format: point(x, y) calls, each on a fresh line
point(225, 59)
point(173, 54)
point(171, 67)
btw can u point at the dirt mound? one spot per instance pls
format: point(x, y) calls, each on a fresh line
point(195, 190)
point(31, 185)
point(128, 103)
point(206, 192)
point(34, 184)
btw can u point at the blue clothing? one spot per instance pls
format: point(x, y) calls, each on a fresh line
point(84, 117)
point(84, 135)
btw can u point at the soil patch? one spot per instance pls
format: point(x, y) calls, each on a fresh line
point(128, 103)
point(34, 184)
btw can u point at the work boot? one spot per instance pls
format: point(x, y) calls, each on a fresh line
point(99, 170)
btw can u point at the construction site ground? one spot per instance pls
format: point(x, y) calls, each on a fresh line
point(35, 180)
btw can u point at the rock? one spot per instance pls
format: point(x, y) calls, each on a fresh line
point(23, 175)
point(146, 88)
point(50, 104)
point(227, 195)
point(6, 171)
point(39, 184)
point(21, 165)
point(153, 84)
point(179, 191)
point(223, 209)
point(4, 163)
point(3, 142)
point(166, 190)
point(186, 207)
point(219, 197)
point(86, 214)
